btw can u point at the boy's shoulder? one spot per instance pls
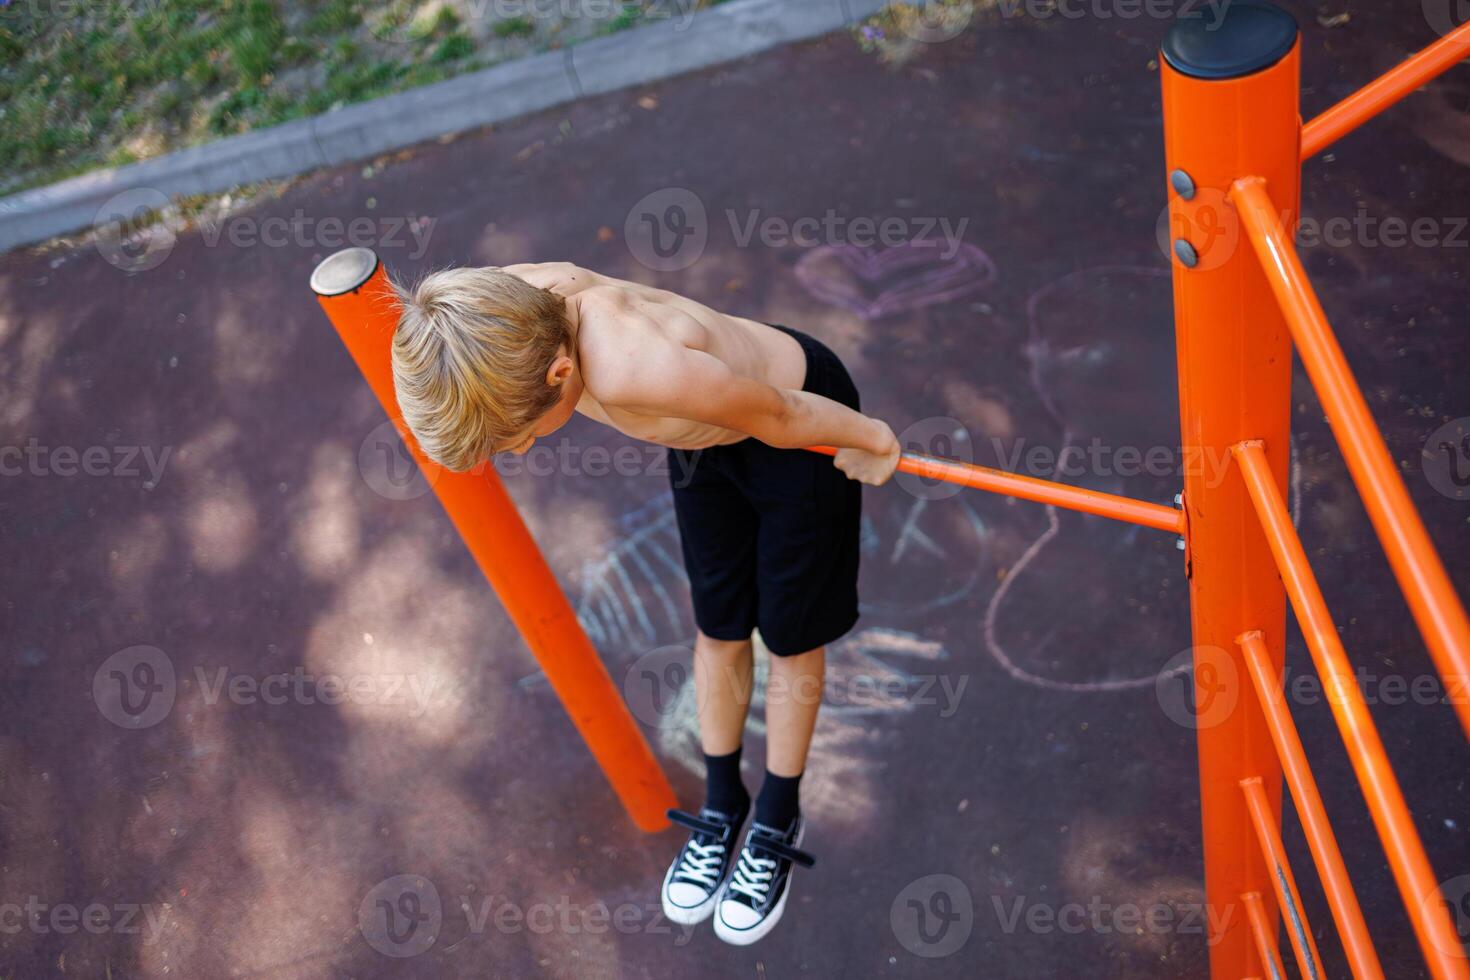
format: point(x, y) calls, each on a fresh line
point(560, 277)
point(622, 344)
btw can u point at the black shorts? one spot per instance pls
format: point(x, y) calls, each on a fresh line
point(770, 536)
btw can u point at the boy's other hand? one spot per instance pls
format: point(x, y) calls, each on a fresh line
point(872, 468)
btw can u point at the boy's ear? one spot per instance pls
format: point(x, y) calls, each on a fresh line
point(560, 370)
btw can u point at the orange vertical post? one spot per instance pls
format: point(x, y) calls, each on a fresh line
point(353, 289)
point(1230, 78)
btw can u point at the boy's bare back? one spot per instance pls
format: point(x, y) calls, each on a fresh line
point(634, 341)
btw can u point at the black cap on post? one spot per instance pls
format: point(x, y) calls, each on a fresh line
point(1229, 39)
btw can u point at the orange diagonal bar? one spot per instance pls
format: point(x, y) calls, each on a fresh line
point(1420, 573)
point(1041, 491)
point(1386, 90)
point(1323, 844)
point(1263, 930)
point(1264, 819)
point(1406, 857)
point(492, 529)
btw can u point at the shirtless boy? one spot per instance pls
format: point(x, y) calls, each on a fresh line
point(489, 360)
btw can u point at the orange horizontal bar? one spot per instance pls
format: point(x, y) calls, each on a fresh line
point(1415, 563)
point(1308, 960)
point(1386, 90)
point(1320, 839)
point(1041, 491)
point(1406, 857)
point(1264, 933)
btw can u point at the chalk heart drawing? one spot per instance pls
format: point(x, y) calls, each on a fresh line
point(879, 282)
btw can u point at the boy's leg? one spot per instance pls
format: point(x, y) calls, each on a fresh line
point(723, 671)
point(793, 696)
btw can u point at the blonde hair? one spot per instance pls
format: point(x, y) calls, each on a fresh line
point(470, 357)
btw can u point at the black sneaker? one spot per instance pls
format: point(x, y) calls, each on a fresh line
point(753, 899)
point(693, 881)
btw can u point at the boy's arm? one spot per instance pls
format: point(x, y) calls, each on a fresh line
point(691, 384)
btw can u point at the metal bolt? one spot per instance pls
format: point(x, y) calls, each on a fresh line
point(1183, 184)
point(1187, 255)
point(1179, 544)
point(1179, 500)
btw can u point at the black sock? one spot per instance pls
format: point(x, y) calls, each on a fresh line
point(777, 804)
point(723, 789)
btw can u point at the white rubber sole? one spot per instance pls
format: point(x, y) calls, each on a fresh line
point(693, 915)
point(757, 932)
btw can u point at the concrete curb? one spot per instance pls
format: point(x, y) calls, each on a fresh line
point(516, 88)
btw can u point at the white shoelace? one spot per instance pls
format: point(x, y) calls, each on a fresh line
point(752, 877)
point(701, 863)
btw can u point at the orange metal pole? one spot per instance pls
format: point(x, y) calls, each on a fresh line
point(353, 291)
point(1041, 491)
point(1406, 857)
point(1421, 576)
point(1264, 931)
point(1320, 839)
point(1390, 87)
point(1266, 821)
point(1230, 84)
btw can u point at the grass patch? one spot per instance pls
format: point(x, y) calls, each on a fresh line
point(515, 27)
point(93, 83)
